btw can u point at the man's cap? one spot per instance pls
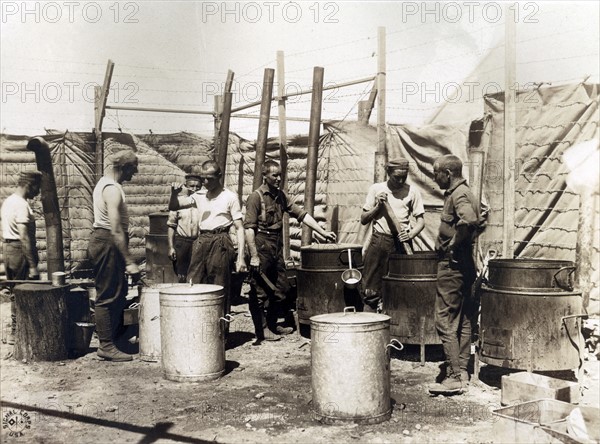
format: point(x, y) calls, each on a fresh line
point(398, 162)
point(195, 173)
point(30, 176)
point(125, 157)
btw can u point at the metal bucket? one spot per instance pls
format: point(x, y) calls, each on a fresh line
point(531, 275)
point(350, 366)
point(319, 284)
point(192, 341)
point(408, 294)
point(535, 331)
point(149, 321)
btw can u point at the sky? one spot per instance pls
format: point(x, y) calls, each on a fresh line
point(176, 55)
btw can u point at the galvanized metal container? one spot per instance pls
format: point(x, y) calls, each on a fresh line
point(149, 321)
point(530, 275)
point(192, 339)
point(409, 297)
point(350, 367)
point(319, 279)
point(531, 330)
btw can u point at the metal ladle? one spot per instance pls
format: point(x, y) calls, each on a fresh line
point(351, 277)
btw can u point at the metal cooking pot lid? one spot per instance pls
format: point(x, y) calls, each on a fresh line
point(350, 318)
point(192, 289)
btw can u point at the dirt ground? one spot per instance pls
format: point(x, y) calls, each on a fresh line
point(264, 396)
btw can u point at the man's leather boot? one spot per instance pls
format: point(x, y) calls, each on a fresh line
point(107, 349)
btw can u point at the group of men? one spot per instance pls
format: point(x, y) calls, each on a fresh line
point(206, 220)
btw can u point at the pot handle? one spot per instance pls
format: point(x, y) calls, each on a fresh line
point(349, 310)
point(227, 318)
point(557, 282)
point(391, 344)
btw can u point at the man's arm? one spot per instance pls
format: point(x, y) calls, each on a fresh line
point(177, 202)
point(29, 250)
point(369, 213)
point(312, 223)
point(419, 225)
point(171, 240)
point(113, 199)
point(240, 265)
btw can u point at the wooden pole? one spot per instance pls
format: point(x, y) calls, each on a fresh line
point(218, 110)
point(313, 150)
point(263, 126)
point(159, 110)
point(381, 154)
point(367, 106)
point(584, 248)
point(100, 97)
point(283, 156)
point(510, 120)
point(224, 134)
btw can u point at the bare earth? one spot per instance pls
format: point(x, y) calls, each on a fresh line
point(265, 396)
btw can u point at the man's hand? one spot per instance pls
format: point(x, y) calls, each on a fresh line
point(172, 254)
point(34, 274)
point(176, 187)
point(254, 263)
point(404, 235)
point(381, 198)
point(134, 272)
point(330, 236)
point(240, 266)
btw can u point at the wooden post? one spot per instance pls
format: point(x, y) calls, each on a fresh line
point(42, 322)
point(218, 110)
point(313, 150)
point(224, 135)
point(283, 156)
point(263, 126)
point(381, 154)
point(362, 112)
point(584, 248)
point(100, 97)
point(367, 105)
point(510, 121)
point(476, 168)
point(55, 258)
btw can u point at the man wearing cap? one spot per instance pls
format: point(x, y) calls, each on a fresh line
point(403, 201)
point(455, 311)
point(182, 228)
point(108, 250)
point(18, 230)
point(263, 223)
point(213, 254)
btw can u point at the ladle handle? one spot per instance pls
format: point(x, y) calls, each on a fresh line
point(350, 258)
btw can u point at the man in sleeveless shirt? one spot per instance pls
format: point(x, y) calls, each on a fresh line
point(405, 200)
point(108, 250)
point(18, 230)
point(213, 254)
point(263, 224)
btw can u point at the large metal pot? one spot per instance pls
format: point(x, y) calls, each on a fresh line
point(319, 279)
point(192, 339)
point(535, 331)
point(531, 275)
point(350, 367)
point(409, 297)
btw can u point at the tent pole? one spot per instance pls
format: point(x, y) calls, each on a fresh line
point(313, 149)
point(263, 126)
point(100, 97)
point(381, 154)
point(283, 156)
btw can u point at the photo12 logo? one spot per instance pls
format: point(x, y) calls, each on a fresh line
point(16, 422)
point(70, 12)
point(269, 12)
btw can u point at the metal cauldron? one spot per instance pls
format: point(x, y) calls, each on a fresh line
point(319, 279)
point(350, 367)
point(192, 332)
point(533, 328)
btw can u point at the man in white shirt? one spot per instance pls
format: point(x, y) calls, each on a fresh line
point(213, 255)
point(18, 230)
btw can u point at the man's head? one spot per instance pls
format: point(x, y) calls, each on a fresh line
point(31, 181)
point(397, 171)
point(445, 169)
point(271, 172)
point(126, 163)
point(211, 175)
point(193, 180)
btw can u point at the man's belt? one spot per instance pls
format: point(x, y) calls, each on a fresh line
point(269, 232)
point(8, 241)
point(216, 230)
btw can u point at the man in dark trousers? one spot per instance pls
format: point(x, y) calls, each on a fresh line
point(108, 250)
point(263, 223)
point(182, 229)
point(213, 255)
point(461, 223)
point(403, 201)
point(18, 230)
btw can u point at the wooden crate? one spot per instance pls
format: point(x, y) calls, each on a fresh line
point(525, 386)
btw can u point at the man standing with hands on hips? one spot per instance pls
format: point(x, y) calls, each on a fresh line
point(389, 206)
point(461, 223)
